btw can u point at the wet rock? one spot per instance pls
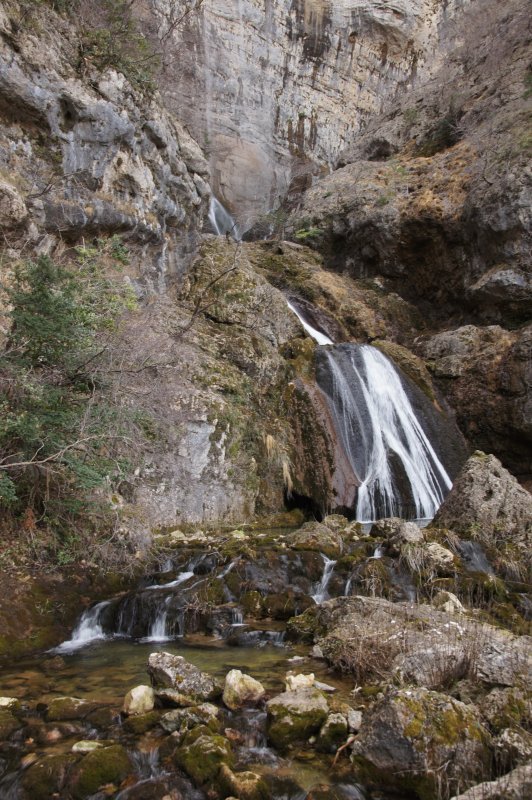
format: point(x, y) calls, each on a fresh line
point(488, 505)
point(139, 700)
point(65, 708)
point(8, 724)
point(140, 723)
point(187, 718)
point(241, 690)
point(243, 785)
point(411, 736)
point(176, 673)
point(295, 716)
point(86, 746)
point(516, 785)
point(333, 733)
point(105, 765)
point(318, 537)
point(47, 777)
point(202, 754)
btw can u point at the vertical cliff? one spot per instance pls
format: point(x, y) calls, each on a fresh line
point(280, 87)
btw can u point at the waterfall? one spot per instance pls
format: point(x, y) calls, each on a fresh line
point(389, 453)
point(87, 630)
point(384, 442)
point(315, 334)
point(221, 220)
point(320, 591)
point(158, 629)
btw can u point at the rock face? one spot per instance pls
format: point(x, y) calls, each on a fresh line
point(280, 87)
point(92, 155)
point(412, 735)
point(175, 672)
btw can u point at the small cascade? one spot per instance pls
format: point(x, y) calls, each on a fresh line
point(88, 629)
point(315, 334)
point(348, 584)
point(389, 453)
point(237, 618)
point(158, 629)
point(221, 220)
point(474, 557)
point(378, 552)
point(181, 578)
point(320, 591)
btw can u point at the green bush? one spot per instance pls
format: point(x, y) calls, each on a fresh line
point(57, 428)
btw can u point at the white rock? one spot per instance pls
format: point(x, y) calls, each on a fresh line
point(139, 700)
point(294, 682)
point(241, 689)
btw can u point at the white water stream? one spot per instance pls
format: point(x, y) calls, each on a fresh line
point(221, 220)
point(320, 591)
point(377, 423)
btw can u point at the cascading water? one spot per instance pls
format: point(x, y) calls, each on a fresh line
point(221, 220)
point(396, 467)
point(88, 629)
point(320, 591)
point(384, 442)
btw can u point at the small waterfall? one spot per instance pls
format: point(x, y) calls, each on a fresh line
point(237, 618)
point(320, 591)
point(221, 220)
point(383, 440)
point(87, 630)
point(348, 583)
point(181, 578)
point(158, 629)
point(315, 334)
point(474, 557)
point(378, 552)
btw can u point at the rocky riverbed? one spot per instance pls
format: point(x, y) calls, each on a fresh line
point(382, 671)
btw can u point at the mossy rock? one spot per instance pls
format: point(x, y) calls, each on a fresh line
point(252, 604)
point(140, 723)
point(242, 785)
point(184, 719)
point(107, 765)
point(333, 733)
point(47, 777)
point(293, 717)
point(305, 627)
point(201, 756)
point(8, 724)
point(65, 708)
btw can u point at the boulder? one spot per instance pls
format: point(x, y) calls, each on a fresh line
point(397, 532)
point(241, 690)
point(512, 747)
point(504, 708)
point(300, 681)
point(105, 765)
point(47, 776)
point(202, 753)
point(140, 723)
point(183, 719)
point(139, 700)
point(487, 504)
point(448, 602)
point(13, 211)
point(243, 785)
point(333, 733)
point(175, 672)
point(65, 708)
point(295, 716)
point(415, 737)
point(318, 537)
point(516, 785)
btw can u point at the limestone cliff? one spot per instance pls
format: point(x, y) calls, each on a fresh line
point(280, 87)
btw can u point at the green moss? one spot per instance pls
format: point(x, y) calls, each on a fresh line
point(46, 778)
point(201, 756)
point(142, 722)
point(8, 724)
point(286, 727)
point(305, 627)
point(102, 766)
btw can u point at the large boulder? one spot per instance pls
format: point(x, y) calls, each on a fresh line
point(202, 754)
point(295, 716)
point(105, 765)
point(414, 738)
point(241, 690)
point(374, 639)
point(488, 504)
point(175, 672)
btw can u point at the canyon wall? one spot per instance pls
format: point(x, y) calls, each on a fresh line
point(274, 90)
